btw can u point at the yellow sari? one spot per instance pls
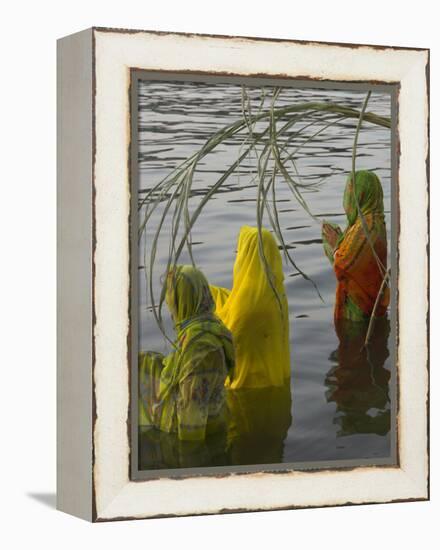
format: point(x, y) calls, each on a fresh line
point(256, 313)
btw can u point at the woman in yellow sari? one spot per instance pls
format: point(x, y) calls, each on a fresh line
point(256, 313)
point(183, 393)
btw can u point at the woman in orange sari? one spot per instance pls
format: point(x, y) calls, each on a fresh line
point(359, 254)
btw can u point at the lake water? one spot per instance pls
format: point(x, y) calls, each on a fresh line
point(338, 405)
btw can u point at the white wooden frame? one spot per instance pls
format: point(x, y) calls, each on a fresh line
point(94, 274)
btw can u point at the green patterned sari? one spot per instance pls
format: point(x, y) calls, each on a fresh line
point(184, 393)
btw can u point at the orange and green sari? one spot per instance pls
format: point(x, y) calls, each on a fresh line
point(359, 257)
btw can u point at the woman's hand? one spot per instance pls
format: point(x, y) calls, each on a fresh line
point(331, 234)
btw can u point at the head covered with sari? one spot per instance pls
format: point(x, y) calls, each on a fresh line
point(366, 196)
point(256, 312)
point(186, 392)
point(192, 306)
point(360, 258)
point(188, 296)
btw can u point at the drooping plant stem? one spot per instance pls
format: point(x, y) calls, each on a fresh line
point(276, 164)
point(385, 273)
point(353, 176)
point(376, 305)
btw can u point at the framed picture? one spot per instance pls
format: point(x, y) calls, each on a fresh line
point(243, 274)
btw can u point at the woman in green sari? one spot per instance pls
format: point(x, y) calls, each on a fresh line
point(183, 393)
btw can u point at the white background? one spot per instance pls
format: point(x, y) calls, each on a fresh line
point(27, 299)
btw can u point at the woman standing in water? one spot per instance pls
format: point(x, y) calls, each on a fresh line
point(183, 393)
point(256, 313)
point(359, 254)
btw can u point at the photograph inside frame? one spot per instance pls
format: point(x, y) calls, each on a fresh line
point(263, 274)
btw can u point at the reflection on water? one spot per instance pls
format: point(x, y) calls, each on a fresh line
point(159, 450)
point(259, 420)
point(338, 400)
point(358, 382)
